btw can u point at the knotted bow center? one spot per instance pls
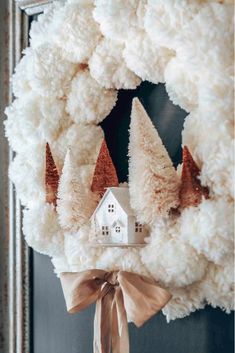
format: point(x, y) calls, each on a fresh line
point(111, 278)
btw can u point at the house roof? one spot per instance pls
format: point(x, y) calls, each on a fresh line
point(122, 195)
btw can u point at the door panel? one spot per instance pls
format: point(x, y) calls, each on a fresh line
point(55, 331)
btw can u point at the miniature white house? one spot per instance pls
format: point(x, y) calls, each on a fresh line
point(114, 221)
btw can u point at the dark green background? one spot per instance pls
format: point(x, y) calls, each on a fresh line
point(55, 331)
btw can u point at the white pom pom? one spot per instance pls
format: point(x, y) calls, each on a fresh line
point(145, 58)
point(119, 17)
point(185, 300)
point(27, 173)
point(181, 84)
point(84, 100)
point(83, 140)
point(20, 80)
point(109, 69)
point(170, 260)
point(122, 259)
point(208, 228)
point(76, 32)
point(216, 155)
point(214, 51)
point(32, 121)
point(79, 253)
point(48, 72)
point(60, 264)
point(42, 26)
point(218, 285)
point(42, 231)
point(165, 19)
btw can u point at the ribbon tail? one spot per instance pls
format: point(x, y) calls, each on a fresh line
point(102, 324)
point(120, 337)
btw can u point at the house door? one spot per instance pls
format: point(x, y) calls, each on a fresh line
point(118, 233)
point(39, 321)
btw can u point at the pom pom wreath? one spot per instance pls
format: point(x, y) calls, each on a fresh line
point(105, 174)
point(76, 32)
point(84, 103)
point(109, 69)
point(116, 16)
point(51, 177)
point(75, 201)
point(154, 184)
point(42, 230)
point(146, 59)
point(57, 98)
point(191, 191)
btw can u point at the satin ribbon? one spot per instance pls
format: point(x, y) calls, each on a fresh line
point(118, 295)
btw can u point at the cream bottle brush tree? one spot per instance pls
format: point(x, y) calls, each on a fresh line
point(153, 181)
point(75, 203)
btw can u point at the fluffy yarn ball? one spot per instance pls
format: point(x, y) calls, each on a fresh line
point(209, 229)
point(145, 58)
point(76, 32)
point(32, 121)
point(119, 17)
point(174, 263)
point(108, 68)
point(84, 103)
point(42, 230)
point(27, 173)
point(48, 73)
point(81, 52)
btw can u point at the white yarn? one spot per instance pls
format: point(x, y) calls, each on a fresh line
point(116, 16)
point(108, 68)
point(48, 73)
point(75, 31)
point(171, 261)
point(145, 58)
point(84, 103)
point(32, 120)
point(47, 236)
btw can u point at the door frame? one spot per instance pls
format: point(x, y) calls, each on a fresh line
point(15, 255)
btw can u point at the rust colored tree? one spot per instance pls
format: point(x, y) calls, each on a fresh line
point(105, 173)
point(51, 177)
point(191, 190)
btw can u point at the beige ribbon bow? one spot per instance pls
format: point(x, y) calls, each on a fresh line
point(118, 295)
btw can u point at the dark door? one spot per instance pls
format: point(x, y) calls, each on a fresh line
point(55, 331)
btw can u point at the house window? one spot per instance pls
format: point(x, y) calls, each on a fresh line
point(111, 208)
point(138, 227)
point(118, 229)
point(105, 230)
